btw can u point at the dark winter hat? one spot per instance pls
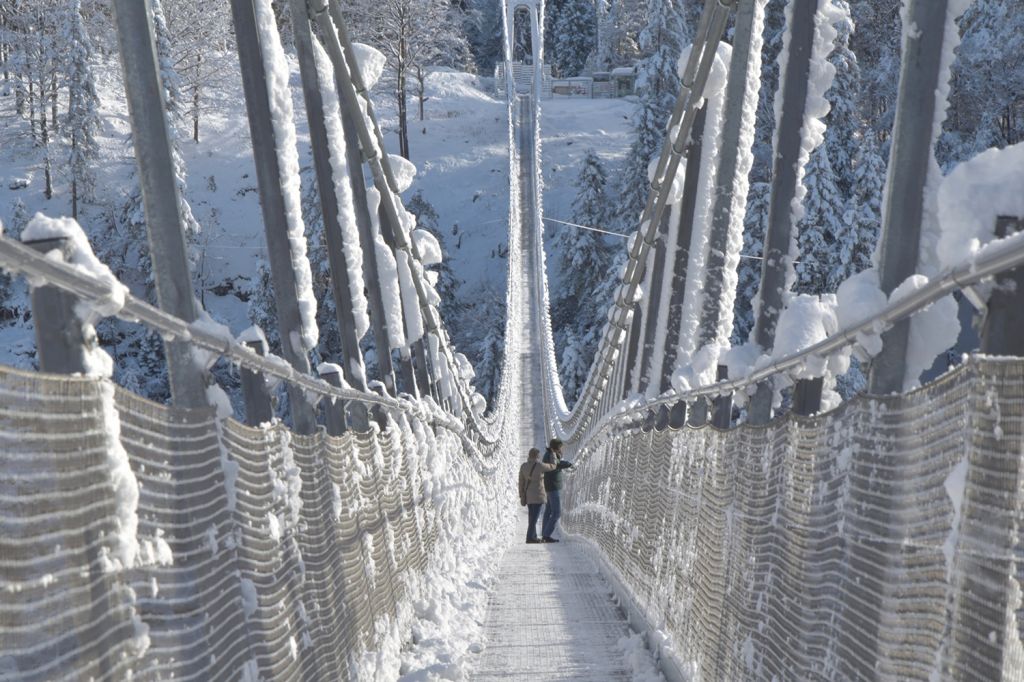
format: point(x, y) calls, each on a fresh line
point(555, 444)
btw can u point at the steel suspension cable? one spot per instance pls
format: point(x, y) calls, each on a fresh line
point(694, 80)
point(337, 44)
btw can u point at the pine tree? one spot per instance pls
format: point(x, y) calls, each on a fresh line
point(12, 290)
point(574, 29)
point(863, 218)
point(755, 225)
point(764, 128)
point(584, 261)
point(876, 42)
point(987, 96)
point(263, 309)
point(821, 226)
point(657, 87)
point(82, 122)
point(489, 351)
point(483, 29)
point(584, 255)
point(620, 25)
point(844, 117)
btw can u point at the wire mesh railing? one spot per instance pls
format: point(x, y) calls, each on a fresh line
point(154, 542)
point(879, 540)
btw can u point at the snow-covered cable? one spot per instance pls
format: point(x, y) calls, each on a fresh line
point(282, 115)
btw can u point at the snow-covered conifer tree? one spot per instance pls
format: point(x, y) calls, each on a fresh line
point(755, 224)
point(844, 117)
point(583, 254)
point(574, 36)
point(489, 351)
point(876, 42)
point(263, 309)
point(657, 87)
point(82, 121)
point(862, 222)
point(821, 225)
point(987, 96)
point(447, 285)
point(584, 261)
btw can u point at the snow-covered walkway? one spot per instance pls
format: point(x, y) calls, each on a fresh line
point(552, 617)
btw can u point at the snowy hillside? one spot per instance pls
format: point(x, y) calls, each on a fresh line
point(459, 150)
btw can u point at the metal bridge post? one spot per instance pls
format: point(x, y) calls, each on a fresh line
point(652, 308)
point(777, 260)
point(275, 222)
point(145, 94)
point(909, 160)
point(334, 408)
point(721, 413)
point(731, 179)
point(406, 371)
point(681, 252)
point(632, 342)
point(322, 151)
point(350, 90)
point(60, 341)
point(259, 407)
point(1002, 332)
point(699, 412)
point(378, 320)
point(807, 396)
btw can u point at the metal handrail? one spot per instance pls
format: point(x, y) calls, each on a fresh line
point(16, 257)
point(992, 260)
point(567, 423)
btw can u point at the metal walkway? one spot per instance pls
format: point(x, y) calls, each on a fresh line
point(552, 614)
point(552, 617)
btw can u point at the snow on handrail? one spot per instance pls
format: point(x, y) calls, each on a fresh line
point(564, 422)
point(16, 257)
point(993, 259)
point(334, 35)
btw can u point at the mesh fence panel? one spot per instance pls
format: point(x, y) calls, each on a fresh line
point(263, 554)
point(877, 541)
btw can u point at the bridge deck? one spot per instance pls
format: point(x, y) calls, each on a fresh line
point(552, 618)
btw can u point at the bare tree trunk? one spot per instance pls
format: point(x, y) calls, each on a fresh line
point(421, 88)
point(195, 98)
point(45, 136)
point(74, 176)
point(32, 108)
point(5, 48)
point(403, 115)
point(19, 95)
point(53, 102)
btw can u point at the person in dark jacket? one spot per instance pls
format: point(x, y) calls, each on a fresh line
point(553, 486)
point(531, 490)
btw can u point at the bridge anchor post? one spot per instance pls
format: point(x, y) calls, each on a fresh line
point(721, 407)
point(334, 408)
point(807, 396)
point(1002, 331)
point(60, 340)
point(259, 405)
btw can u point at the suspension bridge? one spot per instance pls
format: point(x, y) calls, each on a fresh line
point(875, 540)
